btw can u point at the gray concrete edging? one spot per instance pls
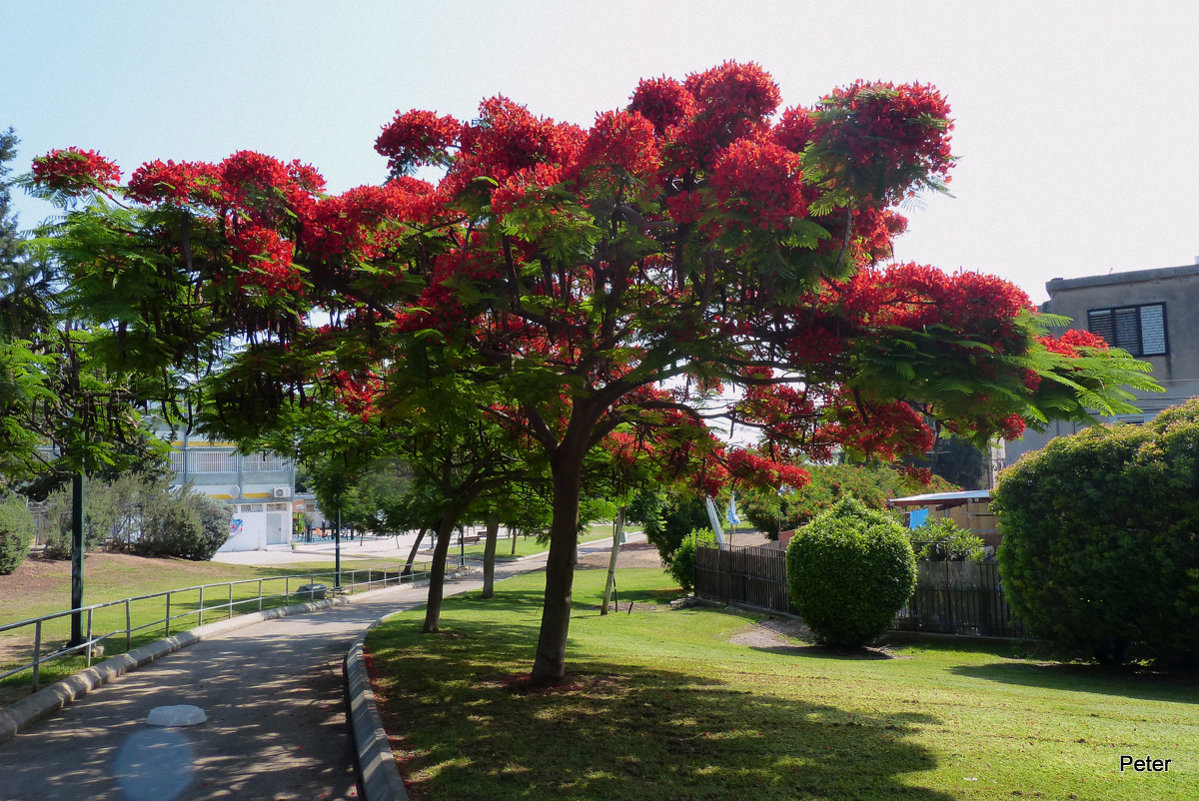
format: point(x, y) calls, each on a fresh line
point(48, 700)
point(378, 777)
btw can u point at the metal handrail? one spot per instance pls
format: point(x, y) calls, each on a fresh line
point(228, 604)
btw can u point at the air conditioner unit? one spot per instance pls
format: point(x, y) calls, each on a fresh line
point(279, 492)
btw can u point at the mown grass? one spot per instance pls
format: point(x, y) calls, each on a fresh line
point(43, 587)
point(662, 705)
point(525, 546)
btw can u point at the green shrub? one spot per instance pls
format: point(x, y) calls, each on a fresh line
point(849, 571)
point(1100, 542)
point(189, 526)
point(943, 540)
point(682, 566)
point(667, 518)
point(16, 532)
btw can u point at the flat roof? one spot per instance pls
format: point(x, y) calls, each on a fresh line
point(942, 498)
point(1127, 277)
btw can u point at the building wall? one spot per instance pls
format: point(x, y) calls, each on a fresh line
point(259, 488)
point(1177, 370)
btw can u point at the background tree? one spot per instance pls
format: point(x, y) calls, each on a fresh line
point(872, 484)
point(580, 281)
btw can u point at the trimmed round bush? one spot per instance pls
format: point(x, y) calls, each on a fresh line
point(682, 565)
point(849, 571)
point(1100, 545)
point(16, 532)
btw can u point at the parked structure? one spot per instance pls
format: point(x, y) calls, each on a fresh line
point(1152, 314)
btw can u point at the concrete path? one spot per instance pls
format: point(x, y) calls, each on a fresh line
point(274, 696)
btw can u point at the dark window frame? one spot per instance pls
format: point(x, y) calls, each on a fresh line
point(1139, 346)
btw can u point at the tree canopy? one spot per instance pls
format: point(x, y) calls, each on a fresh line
point(584, 288)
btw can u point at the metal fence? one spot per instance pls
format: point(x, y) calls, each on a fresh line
point(950, 597)
point(224, 599)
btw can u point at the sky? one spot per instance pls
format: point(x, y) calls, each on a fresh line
point(1076, 123)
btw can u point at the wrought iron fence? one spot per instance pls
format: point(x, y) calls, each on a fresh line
point(950, 597)
point(189, 602)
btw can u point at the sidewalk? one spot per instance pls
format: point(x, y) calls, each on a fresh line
point(273, 693)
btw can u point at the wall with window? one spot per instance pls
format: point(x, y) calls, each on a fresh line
point(1152, 314)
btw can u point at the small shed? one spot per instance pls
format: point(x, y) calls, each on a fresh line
point(968, 508)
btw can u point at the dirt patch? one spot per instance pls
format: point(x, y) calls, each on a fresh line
point(775, 632)
point(632, 554)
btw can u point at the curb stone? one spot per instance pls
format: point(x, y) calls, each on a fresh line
point(18, 716)
point(378, 777)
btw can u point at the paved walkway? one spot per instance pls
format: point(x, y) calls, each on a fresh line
point(273, 693)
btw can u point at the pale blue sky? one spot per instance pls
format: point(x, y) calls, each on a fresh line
point(1077, 122)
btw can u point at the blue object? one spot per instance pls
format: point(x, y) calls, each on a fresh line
point(917, 518)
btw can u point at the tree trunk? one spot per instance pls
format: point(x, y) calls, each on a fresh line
point(493, 530)
point(549, 666)
point(617, 531)
point(407, 571)
point(445, 530)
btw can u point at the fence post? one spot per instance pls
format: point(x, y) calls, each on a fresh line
point(37, 654)
point(168, 617)
point(200, 611)
point(230, 601)
point(259, 595)
point(128, 627)
point(89, 637)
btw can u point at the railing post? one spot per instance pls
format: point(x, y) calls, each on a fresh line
point(259, 595)
point(168, 617)
point(230, 600)
point(89, 637)
point(37, 654)
point(128, 627)
point(200, 611)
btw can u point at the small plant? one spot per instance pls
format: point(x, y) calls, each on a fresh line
point(943, 540)
point(682, 566)
point(849, 571)
point(16, 532)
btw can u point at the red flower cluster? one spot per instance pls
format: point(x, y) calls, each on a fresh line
point(732, 102)
point(266, 259)
point(663, 101)
point(417, 137)
point(761, 179)
point(75, 171)
point(914, 296)
point(507, 138)
point(888, 134)
point(1071, 340)
point(759, 471)
point(623, 140)
point(176, 183)
point(794, 129)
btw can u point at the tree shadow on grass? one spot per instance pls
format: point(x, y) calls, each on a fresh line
point(468, 726)
point(825, 652)
point(1088, 679)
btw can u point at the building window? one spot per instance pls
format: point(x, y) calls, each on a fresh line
point(1140, 330)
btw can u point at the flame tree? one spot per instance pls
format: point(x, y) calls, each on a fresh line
point(604, 285)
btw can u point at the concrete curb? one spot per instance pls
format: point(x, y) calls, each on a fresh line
point(378, 777)
point(32, 708)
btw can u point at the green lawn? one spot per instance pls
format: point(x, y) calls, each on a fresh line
point(661, 705)
point(525, 546)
